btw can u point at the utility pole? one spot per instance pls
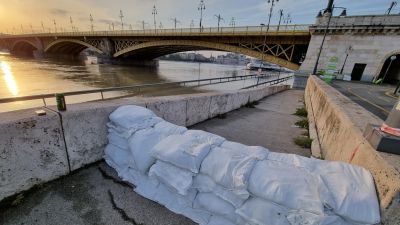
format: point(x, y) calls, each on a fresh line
point(55, 26)
point(154, 13)
point(175, 21)
point(280, 18)
point(219, 18)
point(91, 22)
point(232, 23)
point(202, 6)
point(121, 16)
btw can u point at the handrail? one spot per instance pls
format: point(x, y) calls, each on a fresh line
point(271, 82)
point(138, 87)
point(176, 32)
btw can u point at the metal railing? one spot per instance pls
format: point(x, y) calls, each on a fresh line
point(270, 82)
point(138, 88)
point(242, 30)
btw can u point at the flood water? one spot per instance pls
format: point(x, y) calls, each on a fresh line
point(28, 76)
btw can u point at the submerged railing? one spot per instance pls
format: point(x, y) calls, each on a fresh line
point(140, 87)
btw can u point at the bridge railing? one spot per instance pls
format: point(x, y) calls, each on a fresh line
point(137, 89)
point(242, 30)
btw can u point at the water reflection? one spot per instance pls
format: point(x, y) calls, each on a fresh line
point(9, 78)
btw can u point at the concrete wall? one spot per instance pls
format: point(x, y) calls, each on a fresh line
point(33, 150)
point(339, 124)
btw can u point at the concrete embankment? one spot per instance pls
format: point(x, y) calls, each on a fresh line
point(36, 149)
point(339, 123)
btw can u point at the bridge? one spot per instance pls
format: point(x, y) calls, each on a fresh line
point(284, 45)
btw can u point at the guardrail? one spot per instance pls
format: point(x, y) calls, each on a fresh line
point(242, 30)
point(138, 88)
point(270, 82)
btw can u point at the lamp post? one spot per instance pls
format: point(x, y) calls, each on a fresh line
point(42, 26)
point(72, 23)
point(329, 10)
point(219, 18)
point(202, 6)
point(55, 26)
point(266, 32)
point(348, 51)
point(154, 13)
point(91, 22)
point(176, 21)
point(287, 20)
point(232, 23)
point(121, 16)
point(280, 18)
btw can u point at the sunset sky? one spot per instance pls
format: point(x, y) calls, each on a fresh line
point(14, 13)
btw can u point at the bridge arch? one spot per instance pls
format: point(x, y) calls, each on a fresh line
point(23, 46)
point(154, 49)
point(394, 70)
point(69, 46)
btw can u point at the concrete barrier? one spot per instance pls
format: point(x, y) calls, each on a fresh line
point(339, 124)
point(33, 150)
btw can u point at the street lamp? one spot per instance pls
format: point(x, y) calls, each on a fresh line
point(266, 32)
point(121, 16)
point(328, 10)
point(154, 13)
point(348, 51)
point(280, 18)
point(91, 22)
point(287, 20)
point(202, 6)
point(176, 21)
point(72, 23)
point(232, 23)
point(55, 26)
point(219, 18)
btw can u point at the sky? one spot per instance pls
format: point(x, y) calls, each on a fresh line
point(20, 15)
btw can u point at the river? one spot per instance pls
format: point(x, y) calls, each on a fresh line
point(28, 76)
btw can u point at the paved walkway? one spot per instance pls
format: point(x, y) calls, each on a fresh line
point(94, 195)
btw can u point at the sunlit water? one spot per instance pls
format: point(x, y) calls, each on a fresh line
point(26, 76)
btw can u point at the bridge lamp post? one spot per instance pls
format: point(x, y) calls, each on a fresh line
point(91, 22)
point(219, 18)
point(232, 23)
point(280, 18)
point(328, 10)
point(42, 26)
point(191, 25)
point(287, 20)
point(121, 16)
point(72, 23)
point(348, 51)
point(154, 13)
point(266, 32)
point(55, 26)
point(202, 6)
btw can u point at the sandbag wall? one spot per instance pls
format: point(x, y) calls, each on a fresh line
point(217, 182)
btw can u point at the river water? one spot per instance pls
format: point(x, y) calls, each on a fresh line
point(28, 76)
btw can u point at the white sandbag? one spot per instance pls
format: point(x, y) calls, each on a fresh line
point(261, 212)
point(169, 128)
point(231, 167)
point(286, 185)
point(238, 147)
point(127, 132)
point(301, 218)
point(205, 183)
point(185, 151)
point(115, 139)
point(118, 158)
point(130, 116)
point(177, 179)
point(347, 189)
point(216, 206)
point(137, 178)
point(352, 192)
point(218, 220)
point(206, 137)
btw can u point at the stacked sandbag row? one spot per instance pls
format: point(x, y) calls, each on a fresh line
point(216, 182)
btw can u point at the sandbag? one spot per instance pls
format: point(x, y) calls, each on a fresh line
point(142, 142)
point(218, 220)
point(116, 139)
point(286, 185)
point(185, 151)
point(131, 116)
point(177, 179)
point(206, 137)
point(118, 158)
point(204, 183)
point(231, 167)
point(216, 206)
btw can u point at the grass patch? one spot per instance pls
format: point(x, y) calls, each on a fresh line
point(302, 112)
point(304, 142)
point(302, 123)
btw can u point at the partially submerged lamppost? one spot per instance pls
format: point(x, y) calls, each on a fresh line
point(327, 12)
